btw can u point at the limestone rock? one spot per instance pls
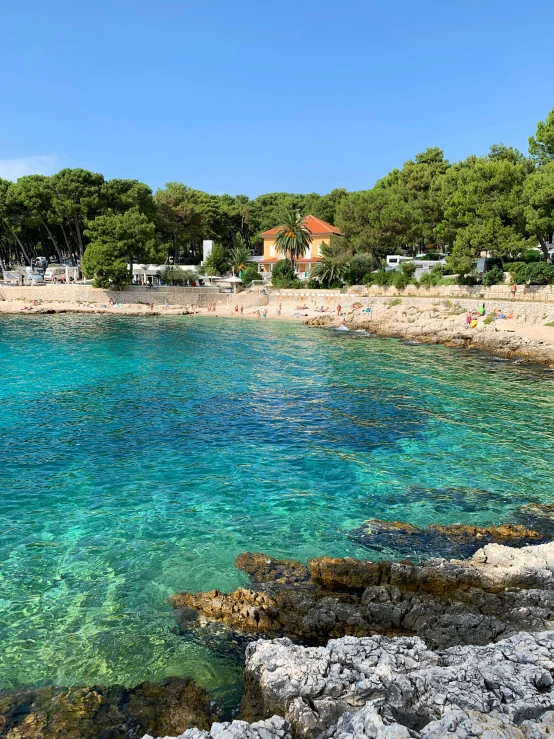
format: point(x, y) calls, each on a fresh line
point(499, 591)
point(313, 687)
point(261, 569)
point(273, 728)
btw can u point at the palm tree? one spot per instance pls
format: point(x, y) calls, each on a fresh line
point(293, 238)
point(333, 265)
point(239, 256)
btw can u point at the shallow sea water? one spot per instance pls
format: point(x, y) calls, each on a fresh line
point(138, 457)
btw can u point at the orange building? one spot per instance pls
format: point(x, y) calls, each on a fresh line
point(321, 234)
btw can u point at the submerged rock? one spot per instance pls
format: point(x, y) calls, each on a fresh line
point(261, 569)
point(458, 540)
point(499, 591)
point(380, 687)
point(111, 712)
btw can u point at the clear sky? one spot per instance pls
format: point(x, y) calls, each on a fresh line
point(256, 96)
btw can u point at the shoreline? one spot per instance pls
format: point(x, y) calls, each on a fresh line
point(528, 337)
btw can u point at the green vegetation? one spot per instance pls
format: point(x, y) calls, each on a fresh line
point(293, 238)
point(331, 271)
point(494, 276)
point(283, 275)
point(177, 276)
point(501, 203)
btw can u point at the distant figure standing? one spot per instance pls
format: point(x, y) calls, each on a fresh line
point(339, 309)
point(236, 309)
point(468, 318)
point(513, 291)
point(241, 309)
point(481, 310)
point(264, 314)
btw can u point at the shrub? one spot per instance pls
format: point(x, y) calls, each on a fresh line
point(282, 274)
point(369, 279)
point(250, 273)
point(427, 280)
point(400, 280)
point(408, 269)
point(529, 256)
point(539, 273)
point(382, 277)
point(516, 270)
point(312, 284)
point(359, 266)
point(494, 276)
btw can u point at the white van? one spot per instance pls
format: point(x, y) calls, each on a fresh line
point(395, 260)
point(54, 272)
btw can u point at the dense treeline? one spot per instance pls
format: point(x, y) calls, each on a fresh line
point(502, 202)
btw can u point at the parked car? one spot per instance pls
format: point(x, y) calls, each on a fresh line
point(41, 262)
point(33, 278)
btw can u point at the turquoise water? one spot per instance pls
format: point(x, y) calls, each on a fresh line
point(138, 457)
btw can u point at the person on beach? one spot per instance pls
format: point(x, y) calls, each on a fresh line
point(264, 314)
point(151, 307)
point(468, 318)
point(280, 308)
point(241, 309)
point(481, 310)
point(339, 310)
point(258, 314)
point(513, 290)
point(236, 309)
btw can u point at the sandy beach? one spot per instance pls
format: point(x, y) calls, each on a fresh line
point(529, 334)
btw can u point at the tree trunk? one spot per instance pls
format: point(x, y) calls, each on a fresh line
point(67, 244)
point(175, 249)
point(376, 260)
point(53, 240)
point(25, 256)
point(544, 249)
point(78, 230)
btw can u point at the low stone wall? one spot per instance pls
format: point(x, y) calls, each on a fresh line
point(200, 296)
point(536, 293)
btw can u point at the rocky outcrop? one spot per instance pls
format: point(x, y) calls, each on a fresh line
point(114, 712)
point(398, 688)
point(273, 728)
point(261, 568)
point(499, 591)
point(457, 541)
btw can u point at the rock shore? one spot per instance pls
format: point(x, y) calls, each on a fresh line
point(499, 591)
point(112, 712)
point(395, 689)
point(459, 540)
point(444, 323)
point(405, 683)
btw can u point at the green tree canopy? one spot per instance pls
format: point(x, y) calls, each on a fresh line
point(538, 195)
point(293, 237)
point(541, 145)
point(117, 240)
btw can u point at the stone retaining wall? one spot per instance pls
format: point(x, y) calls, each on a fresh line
point(536, 293)
point(201, 296)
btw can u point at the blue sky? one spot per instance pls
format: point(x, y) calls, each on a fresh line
point(252, 97)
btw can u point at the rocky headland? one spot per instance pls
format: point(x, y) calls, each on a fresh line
point(528, 335)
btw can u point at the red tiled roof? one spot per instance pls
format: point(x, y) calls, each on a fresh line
point(315, 225)
point(300, 260)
